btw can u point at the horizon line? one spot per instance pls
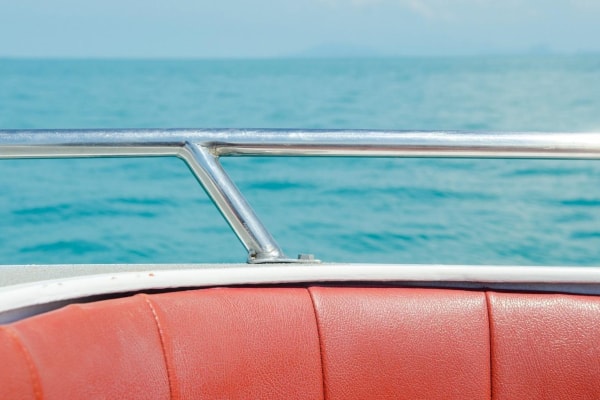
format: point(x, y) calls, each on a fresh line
point(295, 57)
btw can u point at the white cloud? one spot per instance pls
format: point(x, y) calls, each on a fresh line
point(462, 10)
point(420, 7)
point(428, 9)
point(587, 5)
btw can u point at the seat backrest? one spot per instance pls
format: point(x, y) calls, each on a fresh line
point(310, 343)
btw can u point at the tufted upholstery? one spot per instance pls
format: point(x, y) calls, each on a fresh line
point(309, 343)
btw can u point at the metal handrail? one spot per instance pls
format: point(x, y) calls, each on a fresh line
point(201, 149)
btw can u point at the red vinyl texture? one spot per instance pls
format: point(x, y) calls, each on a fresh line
point(315, 343)
point(380, 343)
point(545, 346)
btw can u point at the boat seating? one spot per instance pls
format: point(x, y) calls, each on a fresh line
point(309, 342)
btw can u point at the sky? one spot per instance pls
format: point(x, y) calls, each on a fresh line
point(283, 28)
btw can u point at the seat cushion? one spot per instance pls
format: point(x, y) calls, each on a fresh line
point(316, 342)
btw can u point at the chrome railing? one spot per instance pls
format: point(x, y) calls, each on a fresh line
point(201, 150)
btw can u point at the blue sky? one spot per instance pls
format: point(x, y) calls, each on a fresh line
point(261, 28)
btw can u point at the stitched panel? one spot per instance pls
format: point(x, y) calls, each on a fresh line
point(320, 342)
point(490, 318)
point(242, 343)
point(170, 374)
point(546, 346)
point(17, 379)
point(107, 349)
point(394, 343)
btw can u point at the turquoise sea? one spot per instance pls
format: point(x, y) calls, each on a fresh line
point(375, 210)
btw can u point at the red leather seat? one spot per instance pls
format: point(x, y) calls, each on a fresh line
point(309, 343)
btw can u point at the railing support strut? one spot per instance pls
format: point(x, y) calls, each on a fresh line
point(233, 206)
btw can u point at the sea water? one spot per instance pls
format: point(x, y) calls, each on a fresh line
point(342, 209)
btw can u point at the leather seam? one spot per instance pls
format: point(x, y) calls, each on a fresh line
point(162, 344)
point(314, 307)
point(33, 372)
point(490, 338)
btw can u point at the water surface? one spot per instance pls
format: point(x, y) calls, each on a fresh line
point(379, 210)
